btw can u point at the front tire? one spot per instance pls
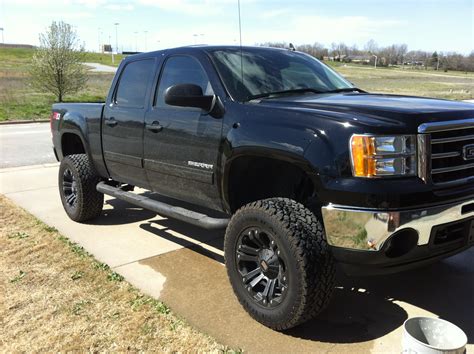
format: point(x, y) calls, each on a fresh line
point(77, 182)
point(278, 262)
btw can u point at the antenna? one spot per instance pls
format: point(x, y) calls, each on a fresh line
point(241, 55)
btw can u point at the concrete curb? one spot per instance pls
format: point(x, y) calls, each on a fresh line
point(24, 121)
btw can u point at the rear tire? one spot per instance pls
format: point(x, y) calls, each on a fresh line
point(283, 244)
point(77, 182)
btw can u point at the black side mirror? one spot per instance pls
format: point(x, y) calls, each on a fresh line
point(189, 95)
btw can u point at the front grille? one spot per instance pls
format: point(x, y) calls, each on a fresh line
point(451, 155)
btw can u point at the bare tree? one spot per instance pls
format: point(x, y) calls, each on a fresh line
point(57, 63)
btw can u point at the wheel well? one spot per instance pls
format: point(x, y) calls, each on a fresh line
point(71, 144)
point(255, 178)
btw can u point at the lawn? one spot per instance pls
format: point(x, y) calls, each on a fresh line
point(429, 83)
point(18, 100)
point(56, 297)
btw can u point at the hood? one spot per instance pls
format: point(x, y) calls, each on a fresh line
point(376, 109)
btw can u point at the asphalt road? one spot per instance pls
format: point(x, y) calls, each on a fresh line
point(25, 144)
point(96, 67)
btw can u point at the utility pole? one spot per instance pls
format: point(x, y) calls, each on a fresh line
point(116, 37)
point(1, 29)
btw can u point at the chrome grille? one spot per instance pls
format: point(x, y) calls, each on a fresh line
point(451, 147)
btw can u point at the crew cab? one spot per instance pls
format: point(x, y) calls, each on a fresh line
point(302, 169)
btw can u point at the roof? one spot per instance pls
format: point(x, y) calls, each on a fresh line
point(200, 48)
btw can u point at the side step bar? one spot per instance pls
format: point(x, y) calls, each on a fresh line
point(164, 209)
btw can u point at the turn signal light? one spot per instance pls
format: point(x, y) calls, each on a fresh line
point(363, 150)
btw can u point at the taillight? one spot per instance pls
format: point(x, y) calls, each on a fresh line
point(54, 116)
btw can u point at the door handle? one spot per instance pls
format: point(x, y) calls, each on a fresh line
point(154, 127)
point(111, 122)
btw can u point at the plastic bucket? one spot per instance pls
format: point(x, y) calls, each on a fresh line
point(433, 336)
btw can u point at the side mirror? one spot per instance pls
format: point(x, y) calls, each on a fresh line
point(189, 95)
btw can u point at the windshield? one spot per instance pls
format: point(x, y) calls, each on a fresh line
point(270, 70)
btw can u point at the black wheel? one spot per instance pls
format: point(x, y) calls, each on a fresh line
point(278, 262)
point(77, 181)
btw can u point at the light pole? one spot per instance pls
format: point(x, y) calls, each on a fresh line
point(375, 65)
point(116, 36)
point(195, 35)
point(111, 50)
point(99, 38)
point(1, 29)
point(146, 32)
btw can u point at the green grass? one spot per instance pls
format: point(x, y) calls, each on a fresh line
point(105, 59)
point(20, 101)
point(415, 82)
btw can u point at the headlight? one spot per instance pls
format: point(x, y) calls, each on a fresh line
point(378, 156)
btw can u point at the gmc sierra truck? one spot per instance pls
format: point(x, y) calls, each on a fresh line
point(304, 170)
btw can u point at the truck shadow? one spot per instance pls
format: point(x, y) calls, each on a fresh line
point(121, 213)
point(363, 308)
point(445, 289)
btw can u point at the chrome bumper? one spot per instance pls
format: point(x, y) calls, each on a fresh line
point(369, 229)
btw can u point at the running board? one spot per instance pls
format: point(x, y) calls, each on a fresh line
point(164, 209)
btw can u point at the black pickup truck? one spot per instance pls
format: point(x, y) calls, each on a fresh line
point(304, 170)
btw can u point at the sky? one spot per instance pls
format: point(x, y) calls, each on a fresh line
point(145, 25)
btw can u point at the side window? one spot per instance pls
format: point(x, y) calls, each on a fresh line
point(182, 70)
point(133, 83)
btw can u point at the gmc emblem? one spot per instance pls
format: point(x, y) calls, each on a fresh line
point(468, 152)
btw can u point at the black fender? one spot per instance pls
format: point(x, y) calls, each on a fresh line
point(74, 123)
point(270, 153)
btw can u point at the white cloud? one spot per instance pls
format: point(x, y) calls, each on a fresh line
point(92, 4)
point(68, 15)
point(189, 7)
point(119, 7)
point(309, 29)
point(274, 13)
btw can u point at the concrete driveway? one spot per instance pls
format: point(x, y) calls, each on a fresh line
point(183, 266)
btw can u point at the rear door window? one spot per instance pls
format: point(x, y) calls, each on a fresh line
point(133, 83)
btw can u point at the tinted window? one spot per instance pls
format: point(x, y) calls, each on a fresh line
point(270, 70)
point(182, 70)
point(133, 83)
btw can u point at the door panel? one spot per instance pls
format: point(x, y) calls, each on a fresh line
point(123, 124)
point(181, 158)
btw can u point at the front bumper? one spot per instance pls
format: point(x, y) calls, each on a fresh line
point(371, 229)
point(367, 242)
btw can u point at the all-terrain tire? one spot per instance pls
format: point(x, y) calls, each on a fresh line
point(77, 174)
point(303, 250)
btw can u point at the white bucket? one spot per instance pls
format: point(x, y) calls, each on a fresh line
point(432, 336)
